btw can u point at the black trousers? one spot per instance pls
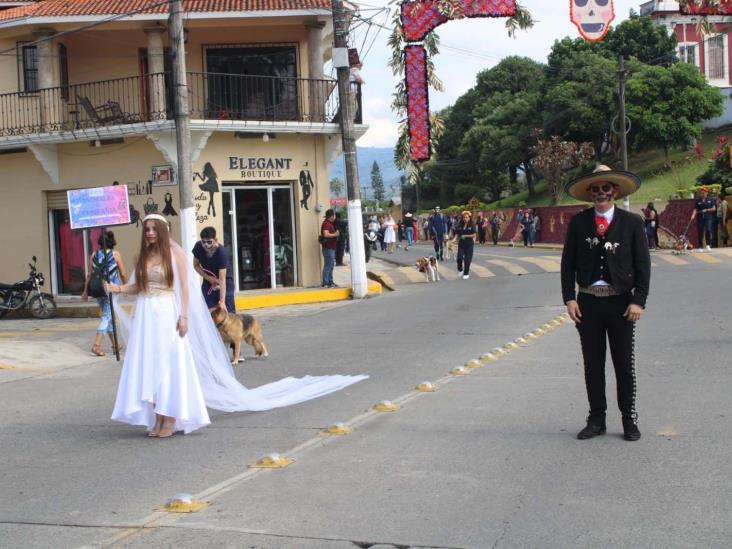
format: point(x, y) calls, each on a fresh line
point(603, 321)
point(439, 241)
point(465, 255)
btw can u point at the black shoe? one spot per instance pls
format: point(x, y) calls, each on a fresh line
point(630, 430)
point(592, 430)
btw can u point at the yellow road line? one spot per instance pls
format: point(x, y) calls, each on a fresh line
point(482, 272)
point(550, 266)
point(706, 258)
point(673, 259)
point(299, 298)
point(512, 268)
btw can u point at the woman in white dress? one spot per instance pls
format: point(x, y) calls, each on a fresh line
point(389, 234)
point(171, 373)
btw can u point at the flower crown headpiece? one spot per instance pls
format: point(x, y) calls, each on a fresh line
point(157, 217)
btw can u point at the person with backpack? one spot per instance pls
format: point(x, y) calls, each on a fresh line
point(94, 286)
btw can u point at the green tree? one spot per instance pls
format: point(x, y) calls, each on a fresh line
point(337, 186)
point(667, 105)
point(644, 39)
point(377, 182)
point(579, 103)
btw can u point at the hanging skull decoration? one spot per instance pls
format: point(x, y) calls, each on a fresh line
point(592, 17)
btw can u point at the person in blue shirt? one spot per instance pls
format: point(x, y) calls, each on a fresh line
point(212, 261)
point(704, 211)
point(438, 230)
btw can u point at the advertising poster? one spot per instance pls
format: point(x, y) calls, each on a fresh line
point(99, 207)
point(162, 176)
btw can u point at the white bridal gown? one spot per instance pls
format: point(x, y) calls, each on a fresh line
point(180, 377)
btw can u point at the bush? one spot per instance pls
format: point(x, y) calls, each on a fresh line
point(464, 192)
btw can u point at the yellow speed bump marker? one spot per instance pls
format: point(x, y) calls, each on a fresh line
point(385, 406)
point(538, 332)
point(337, 429)
point(459, 371)
point(554, 322)
point(183, 503)
point(530, 335)
point(488, 357)
point(272, 461)
point(4, 366)
point(510, 346)
point(475, 363)
point(547, 327)
point(499, 352)
point(426, 387)
point(521, 342)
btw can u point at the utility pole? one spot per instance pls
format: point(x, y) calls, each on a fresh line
point(359, 282)
point(182, 127)
point(622, 128)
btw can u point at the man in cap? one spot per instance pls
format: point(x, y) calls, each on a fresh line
point(704, 210)
point(438, 230)
point(606, 255)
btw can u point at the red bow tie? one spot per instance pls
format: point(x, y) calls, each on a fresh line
point(601, 225)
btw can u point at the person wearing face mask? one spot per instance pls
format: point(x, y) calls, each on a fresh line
point(212, 261)
point(606, 255)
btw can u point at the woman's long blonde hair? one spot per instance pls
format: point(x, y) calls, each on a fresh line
point(161, 247)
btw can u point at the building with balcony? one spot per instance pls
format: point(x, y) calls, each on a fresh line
point(710, 52)
point(86, 101)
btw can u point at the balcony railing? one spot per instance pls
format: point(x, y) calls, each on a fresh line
point(149, 97)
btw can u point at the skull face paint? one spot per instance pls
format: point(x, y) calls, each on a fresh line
point(592, 17)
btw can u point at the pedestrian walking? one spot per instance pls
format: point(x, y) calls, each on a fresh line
point(650, 218)
point(389, 233)
point(176, 364)
point(704, 211)
point(495, 223)
point(465, 230)
point(481, 224)
point(342, 228)
point(329, 241)
point(115, 270)
point(212, 262)
point(606, 255)
point(527, 226)
point(722, 218)
point(408, 230)
point(438, 232)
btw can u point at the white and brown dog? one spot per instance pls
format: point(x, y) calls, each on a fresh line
point(450, 248)
point(430, 267)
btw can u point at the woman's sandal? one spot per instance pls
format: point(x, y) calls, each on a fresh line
point(97, 351)
point(168, 429)
point(155, 431)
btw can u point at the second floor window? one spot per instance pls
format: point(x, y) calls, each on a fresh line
point(716, 62)
point(30, 68)
point(687, 54)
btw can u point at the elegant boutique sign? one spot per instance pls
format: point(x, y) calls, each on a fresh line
point(261, 167)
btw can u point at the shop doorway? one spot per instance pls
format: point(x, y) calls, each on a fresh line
point(70, 251)
point(259, 232)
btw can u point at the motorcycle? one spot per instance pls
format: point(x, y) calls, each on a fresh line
point(370, 236)
point(28, 294)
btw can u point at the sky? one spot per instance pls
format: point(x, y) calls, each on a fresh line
point(467, 47)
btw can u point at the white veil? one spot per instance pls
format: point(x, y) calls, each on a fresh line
point(221, 390)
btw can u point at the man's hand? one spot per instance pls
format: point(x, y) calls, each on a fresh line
point(633, 312)
point(212, 280)
point(222, 304)
point(573, 311)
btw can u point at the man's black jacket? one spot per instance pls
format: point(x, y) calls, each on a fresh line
point(629, 262)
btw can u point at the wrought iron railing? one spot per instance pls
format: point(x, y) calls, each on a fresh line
point(149, 97)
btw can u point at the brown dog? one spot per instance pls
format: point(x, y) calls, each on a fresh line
point(235, 328)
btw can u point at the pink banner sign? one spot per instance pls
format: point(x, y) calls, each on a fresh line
point(99, 207)
point(339, 201)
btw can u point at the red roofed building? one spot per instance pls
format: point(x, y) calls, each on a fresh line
point(86, 101)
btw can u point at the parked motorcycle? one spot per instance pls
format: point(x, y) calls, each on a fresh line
point(28, 294)
point(370, 236)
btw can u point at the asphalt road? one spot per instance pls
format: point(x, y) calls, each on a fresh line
point(489, 460)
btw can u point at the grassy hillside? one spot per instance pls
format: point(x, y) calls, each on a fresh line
point(657, 183)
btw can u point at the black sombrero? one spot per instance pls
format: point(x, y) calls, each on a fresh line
point(626, 183)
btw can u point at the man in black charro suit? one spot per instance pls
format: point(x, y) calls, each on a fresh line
point(606, 255)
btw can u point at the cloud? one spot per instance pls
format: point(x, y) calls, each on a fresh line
point(382, 132)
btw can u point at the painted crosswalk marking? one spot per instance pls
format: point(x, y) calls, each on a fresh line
point(512, 268)
point(672, 259)
point(481, 271)
point(706, 258)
